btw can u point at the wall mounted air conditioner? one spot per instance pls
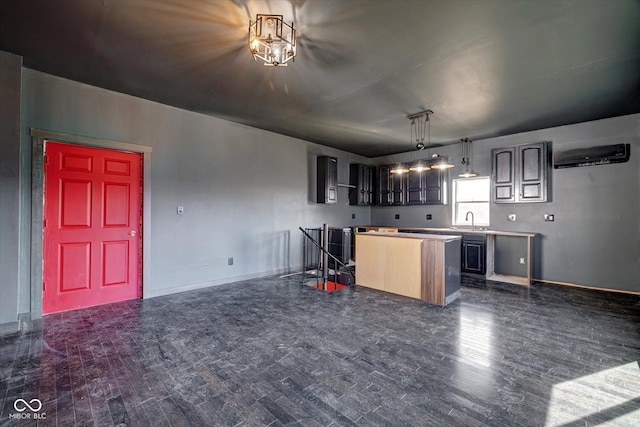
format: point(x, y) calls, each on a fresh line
point(600, 155)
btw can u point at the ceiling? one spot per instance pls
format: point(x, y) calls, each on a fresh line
point(485, 67)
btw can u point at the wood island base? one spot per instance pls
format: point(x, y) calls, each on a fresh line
point(422, 266)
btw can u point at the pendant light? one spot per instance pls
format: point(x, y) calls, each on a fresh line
point(419, 124)
point(442, 164)
point(424, 130)
point(399, 169)
point(418, 128)
point(467, 154)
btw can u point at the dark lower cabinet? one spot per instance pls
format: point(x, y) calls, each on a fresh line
point(474, 253)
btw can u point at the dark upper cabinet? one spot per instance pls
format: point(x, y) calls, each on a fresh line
point(416, 183)
point(361, 176)
point(398, 186)
point(533, 169)
point(411, 188)
point(384, 185)
point(435, 190)
point(327, 179)
point(520, 174)
point(504, 180)
point(426, 187)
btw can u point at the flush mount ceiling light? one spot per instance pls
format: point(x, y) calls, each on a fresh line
point(272, 40)
point(467, 154)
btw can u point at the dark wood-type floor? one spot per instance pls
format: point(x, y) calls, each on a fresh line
point(272, 352)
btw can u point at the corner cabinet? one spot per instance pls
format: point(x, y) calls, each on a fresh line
point(361, 177)
point(327, 179)
point(520, 174)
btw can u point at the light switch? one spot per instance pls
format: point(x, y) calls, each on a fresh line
point(180, 210)
point(549, 217)
point(511, 217)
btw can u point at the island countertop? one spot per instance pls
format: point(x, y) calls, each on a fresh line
point(453, 231)
point(442, 237)
point(491, 235)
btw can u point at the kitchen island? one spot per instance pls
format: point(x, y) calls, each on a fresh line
point(491, 236)
point(422, 266)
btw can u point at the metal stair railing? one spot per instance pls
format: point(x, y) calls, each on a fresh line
point(327, 255)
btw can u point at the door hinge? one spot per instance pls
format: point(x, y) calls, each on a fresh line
point(44, 223)
point(44, 286)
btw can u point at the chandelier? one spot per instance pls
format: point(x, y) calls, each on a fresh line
point(272, 40)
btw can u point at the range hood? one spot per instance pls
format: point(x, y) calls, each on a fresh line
point(600, 155)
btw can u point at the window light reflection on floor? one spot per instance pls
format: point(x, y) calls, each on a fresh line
point(611, 397)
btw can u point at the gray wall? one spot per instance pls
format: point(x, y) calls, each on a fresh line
point(245, 191)
point(10, 76)
point(595, 239)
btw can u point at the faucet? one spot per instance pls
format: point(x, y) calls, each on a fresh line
point(466, 218)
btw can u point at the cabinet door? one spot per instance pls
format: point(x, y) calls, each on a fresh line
point(435, 187)
point(361, 177)
point(415, 187)
point(532, 165)
point(473, 257)
point(398, 186)
point(327, 179)
point(503, 173)
point(367, 185)
point(384, 185)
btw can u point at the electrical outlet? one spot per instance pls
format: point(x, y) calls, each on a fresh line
point(180, 210)
point(549, 217)
point(521, 260)
point(511, 217)
point(230, 261)
point(429, 216)
point(397, 216)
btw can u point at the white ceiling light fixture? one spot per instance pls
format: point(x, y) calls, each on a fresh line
point(272, 40)
point(467, 154)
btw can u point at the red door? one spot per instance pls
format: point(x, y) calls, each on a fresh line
point(91, 243)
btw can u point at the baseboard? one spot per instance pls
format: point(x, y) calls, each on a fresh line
point(23, 324)
point(593, 288)
point(9, 328)
point(201, 285)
